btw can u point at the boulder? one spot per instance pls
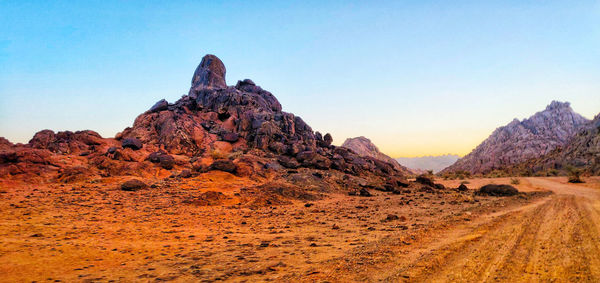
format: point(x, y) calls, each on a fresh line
point(422, 179)
point(498, 190)
point(288, 162)
point(161, 105)
point(132, 143)
point(223, 165)
point(133, 185)
point(229, 137)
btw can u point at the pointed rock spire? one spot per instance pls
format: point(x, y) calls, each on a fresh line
point(209, 74)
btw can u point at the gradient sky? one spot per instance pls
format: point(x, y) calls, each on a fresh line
point(417, 77)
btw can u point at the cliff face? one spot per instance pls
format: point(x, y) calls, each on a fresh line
point(364, 147)
point(523, 140)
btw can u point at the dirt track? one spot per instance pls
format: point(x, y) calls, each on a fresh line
point(555, 238)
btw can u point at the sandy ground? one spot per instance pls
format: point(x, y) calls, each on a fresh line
point(95, 232)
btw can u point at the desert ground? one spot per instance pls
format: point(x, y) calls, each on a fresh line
point(93, 231)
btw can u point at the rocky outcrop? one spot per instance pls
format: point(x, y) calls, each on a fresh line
point(237, 129)
point(364, 147)
point(523, 140)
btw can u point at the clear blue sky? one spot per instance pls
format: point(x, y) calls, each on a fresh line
point(417, 77)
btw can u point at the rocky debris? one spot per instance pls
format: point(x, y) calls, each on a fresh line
point(133, 185)
point(161, 105)
point(223, 165)
point(497, 190)
point(132, 143)
point(520, 141)
point(364, 147)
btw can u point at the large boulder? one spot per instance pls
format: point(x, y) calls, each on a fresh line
point(498, 190)
point(132, 143)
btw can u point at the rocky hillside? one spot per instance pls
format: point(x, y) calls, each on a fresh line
point(238, 129)
point(582, 151)
point(523, 140)
point(364, 147)
point(435, 163)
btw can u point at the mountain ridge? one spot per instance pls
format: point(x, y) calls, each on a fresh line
point(519, 141)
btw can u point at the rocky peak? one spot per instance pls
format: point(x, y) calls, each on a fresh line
point(522, 140)
point(243, 117)
point(558, 105)
point(209, 74)
point(365, 147)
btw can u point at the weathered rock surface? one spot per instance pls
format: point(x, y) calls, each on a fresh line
point(523, 140)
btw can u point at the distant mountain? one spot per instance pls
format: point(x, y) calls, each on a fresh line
point(435, 163)
point(520, 141)
point(582, 151)
point(364, 147)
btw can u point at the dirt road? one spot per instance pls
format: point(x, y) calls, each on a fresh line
point(554, 239)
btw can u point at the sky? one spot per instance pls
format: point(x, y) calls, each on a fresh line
point(416, 77)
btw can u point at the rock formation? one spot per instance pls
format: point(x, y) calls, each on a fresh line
point(364, 147)
point(523, 140)
point(239, 129)
point(582, 151)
